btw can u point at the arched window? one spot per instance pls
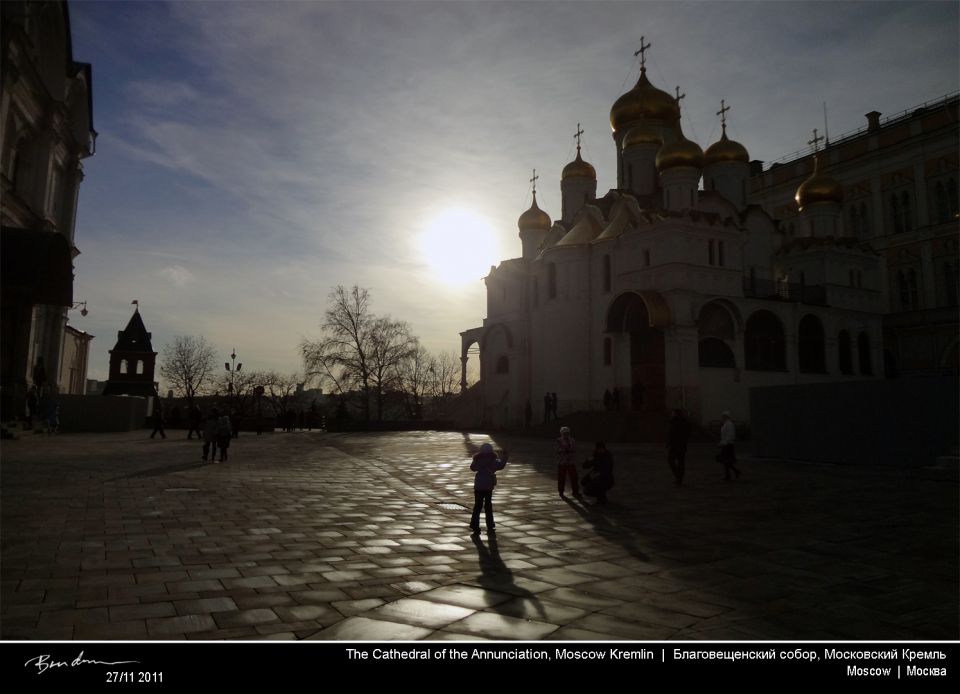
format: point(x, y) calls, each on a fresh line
point(943, 206)
point(714, 352)
point(551, 281)
point(606, 273)
point(811, 345)
point(503, 364)
point(903, 290)
point(764, 343)
point(863, 351)
point(607, 351)
point(950, 276)
point(907, 214)
point(895, 214)
point(123, 366)
point(914, 290)
point(710, 254)
point(139, 367)
point(843, 347)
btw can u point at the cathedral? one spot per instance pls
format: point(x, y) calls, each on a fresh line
point(696, 279)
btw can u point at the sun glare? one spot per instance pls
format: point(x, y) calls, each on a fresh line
point(459, 246)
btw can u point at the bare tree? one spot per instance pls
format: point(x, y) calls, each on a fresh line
point(390, 344)
point(187, 365)
point(280, 390)
point(341, 357)
point(446, 378)
point(414, 378)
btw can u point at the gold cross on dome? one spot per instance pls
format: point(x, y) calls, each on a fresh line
point(580, 132)
point(679, 96)
point(723, 113)
point(815, 141)
point(642, 53)
point(534, 181)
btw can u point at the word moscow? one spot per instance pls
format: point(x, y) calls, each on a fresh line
point(492, 654)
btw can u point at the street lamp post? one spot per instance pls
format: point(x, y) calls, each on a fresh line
point(232, 368)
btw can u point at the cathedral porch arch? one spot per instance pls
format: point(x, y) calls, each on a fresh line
point(639, 319)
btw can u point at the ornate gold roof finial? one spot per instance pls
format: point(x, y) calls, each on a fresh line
point(815, 141)
point(642, 54)
point(723, 115)
point(679, 96)
point(534, 182)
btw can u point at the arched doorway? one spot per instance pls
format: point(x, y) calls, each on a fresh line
point(642, 317)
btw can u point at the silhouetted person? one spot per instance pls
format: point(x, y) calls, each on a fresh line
point(600, 479)
point(547, 407)
point(158, 420)
point(33, 406)
point(194, 419)
point(224, 434)
point(39, 374)
point(566, 467)
point(210, 434)
point(553, 405)
point(485, 464)
point(728, 454)
point(678, 436)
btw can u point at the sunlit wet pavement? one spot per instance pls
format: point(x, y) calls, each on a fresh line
point(365, 537)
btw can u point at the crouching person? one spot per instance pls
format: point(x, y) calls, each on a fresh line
point(599, 480)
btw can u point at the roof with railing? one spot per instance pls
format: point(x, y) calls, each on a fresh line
point(904, 115)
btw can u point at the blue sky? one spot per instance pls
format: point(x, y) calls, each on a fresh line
point(253, 155)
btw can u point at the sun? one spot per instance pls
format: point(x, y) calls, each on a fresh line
point(459, 246)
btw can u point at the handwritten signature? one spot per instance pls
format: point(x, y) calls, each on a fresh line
point(44, 663)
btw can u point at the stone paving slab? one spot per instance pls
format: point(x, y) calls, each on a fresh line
point(364, 536)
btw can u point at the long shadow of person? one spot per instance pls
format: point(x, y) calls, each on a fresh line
point(496, 576)
point(606, 526)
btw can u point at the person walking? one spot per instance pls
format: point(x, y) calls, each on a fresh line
point(485, 463)
point(547, 406)
point(193, 422)
point(210, 435)
point(678, 437)
point(566, 467)
point(158, 420)
point(224, 434)
point(728, 454)
point(600, 478)
point(553, 406)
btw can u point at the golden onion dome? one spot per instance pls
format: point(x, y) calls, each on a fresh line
point(641, 134)
point(818, 188)
point(643, 101)
point(534, 218)
point(681, 152)
point(726, 150)
point(578, 167)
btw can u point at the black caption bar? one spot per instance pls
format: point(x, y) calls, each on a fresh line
point(158, 666)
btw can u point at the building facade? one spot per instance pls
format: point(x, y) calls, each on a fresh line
point(46, 130)
point(701, 276)
point(899, 178)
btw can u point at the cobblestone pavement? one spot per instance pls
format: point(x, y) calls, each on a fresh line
point(365, 537)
